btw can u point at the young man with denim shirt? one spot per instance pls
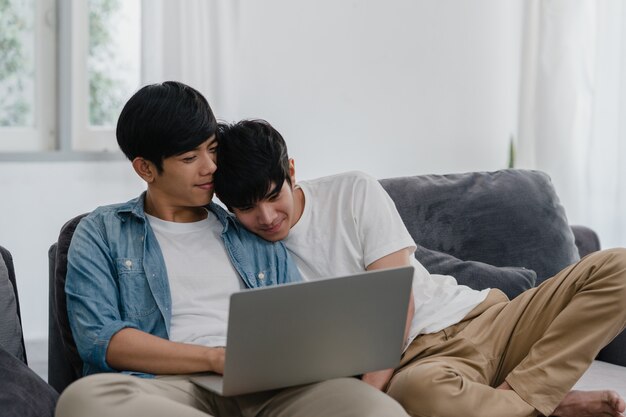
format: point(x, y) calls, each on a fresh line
point(149, 280)
point(499, 357)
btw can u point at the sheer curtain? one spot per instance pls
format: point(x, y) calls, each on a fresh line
point(573, 108)
point(191, 41)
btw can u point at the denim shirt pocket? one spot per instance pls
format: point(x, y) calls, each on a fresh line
point(136, 299)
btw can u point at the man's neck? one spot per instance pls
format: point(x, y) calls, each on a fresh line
point(299, 201)
point(172, 213)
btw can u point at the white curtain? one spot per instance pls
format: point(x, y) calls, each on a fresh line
point(573, 108)
point(191, 41)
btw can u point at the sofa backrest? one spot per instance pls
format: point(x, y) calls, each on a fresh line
point(64, 362)
point(509, 219)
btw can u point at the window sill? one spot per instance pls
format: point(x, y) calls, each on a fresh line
point(61, 156)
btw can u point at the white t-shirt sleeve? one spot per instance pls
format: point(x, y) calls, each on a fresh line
point(379, 225)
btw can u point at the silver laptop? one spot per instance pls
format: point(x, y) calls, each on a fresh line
point(307, 332)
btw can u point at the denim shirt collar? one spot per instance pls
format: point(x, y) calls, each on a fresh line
point(256, 270)
point(136, 207)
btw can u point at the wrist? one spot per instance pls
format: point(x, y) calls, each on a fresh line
point(216, 357)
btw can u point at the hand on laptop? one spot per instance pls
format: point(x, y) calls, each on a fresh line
point(378, 379)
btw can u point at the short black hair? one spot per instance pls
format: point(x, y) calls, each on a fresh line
point(251, 157)
point(163, 120)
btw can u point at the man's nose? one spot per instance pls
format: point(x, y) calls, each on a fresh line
point(267, 214)
point(208, 166)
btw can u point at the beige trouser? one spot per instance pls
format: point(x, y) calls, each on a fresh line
point(117, 395)
point(541, 343)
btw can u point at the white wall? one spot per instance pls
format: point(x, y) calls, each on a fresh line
point(37, 199)
point(392, 88)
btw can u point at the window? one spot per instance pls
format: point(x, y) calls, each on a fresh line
point(26, 75)
point(107, 61)
point(66, 69)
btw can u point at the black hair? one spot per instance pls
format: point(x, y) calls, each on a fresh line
point(251, 158)
point(163, 120)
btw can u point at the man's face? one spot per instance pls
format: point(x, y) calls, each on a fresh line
point(187, 179)
point(272, 217)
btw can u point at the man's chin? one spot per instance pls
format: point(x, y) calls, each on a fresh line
point(272, 237)
point(205, 200)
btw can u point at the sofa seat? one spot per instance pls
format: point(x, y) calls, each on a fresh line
point(603, 375)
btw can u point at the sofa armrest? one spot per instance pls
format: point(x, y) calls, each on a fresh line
point(586, 240)
point(615, 352)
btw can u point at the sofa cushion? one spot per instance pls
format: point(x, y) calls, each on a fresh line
point(507, 218)
point(478, 275)
point(10, 328)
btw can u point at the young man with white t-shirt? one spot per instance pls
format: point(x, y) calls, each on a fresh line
point(149, 280)
point(469, 352)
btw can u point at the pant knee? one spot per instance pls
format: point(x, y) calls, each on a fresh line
point(82, 396)
point(382, 406)
point(618, 257)
point(365, 400)
point(426, 389)
point(72, 399)
point(612, 269)
point(615, 257)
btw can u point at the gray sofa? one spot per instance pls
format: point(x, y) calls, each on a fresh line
point(504, 229)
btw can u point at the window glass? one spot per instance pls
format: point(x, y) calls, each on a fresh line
point(114, 56)
point(17, 60)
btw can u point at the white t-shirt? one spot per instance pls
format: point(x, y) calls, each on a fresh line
point(201, 279)
point(349, 221)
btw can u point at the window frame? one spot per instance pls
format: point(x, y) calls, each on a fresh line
point(40, 136)
point(61, 129)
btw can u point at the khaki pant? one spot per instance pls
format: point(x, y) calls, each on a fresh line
point(541, 343)
point(117, 395)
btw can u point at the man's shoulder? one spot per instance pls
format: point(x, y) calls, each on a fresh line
point(349, 178)
point(343, 185)
point(117, 210)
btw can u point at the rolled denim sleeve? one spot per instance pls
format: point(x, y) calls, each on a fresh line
point(92, 292)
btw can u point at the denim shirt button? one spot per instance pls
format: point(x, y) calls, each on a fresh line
point(128, 263)
point(261, 275)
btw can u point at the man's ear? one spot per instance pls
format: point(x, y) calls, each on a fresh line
point(145, 169)
point(292, 171)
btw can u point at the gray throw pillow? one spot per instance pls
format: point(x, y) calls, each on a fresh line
point(507, 218)
point(478, 275)
point(10, 328)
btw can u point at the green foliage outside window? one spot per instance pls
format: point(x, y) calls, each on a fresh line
point(107, 87)
point(15, 65)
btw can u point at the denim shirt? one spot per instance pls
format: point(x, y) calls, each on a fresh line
point(116, 275)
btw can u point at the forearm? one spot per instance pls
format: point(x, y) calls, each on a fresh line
point(134, 350)
point(409, 317)
point(395, 260)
